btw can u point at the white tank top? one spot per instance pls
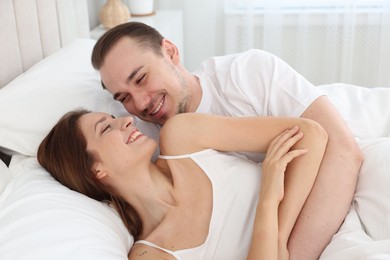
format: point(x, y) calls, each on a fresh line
point(236, 185)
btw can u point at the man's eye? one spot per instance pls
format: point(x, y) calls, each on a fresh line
point(123, 99)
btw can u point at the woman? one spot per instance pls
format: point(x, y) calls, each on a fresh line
point(193, 202)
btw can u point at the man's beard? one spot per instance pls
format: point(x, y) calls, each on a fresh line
point(185, 97)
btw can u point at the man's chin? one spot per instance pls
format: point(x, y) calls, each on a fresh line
point(158, 121)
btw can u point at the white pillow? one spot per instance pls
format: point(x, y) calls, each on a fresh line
point(31, 104)
point(41, 219)
point(366, 110)
point(4, 176)
point(372, 196)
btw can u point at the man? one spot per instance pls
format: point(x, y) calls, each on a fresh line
point(142, 70)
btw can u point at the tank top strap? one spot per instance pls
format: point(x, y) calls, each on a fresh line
point(145, 242)
point(183, 156)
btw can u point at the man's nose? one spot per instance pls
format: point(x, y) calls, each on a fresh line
point(141, 101)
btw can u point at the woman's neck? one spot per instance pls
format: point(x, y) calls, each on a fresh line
point(152, 198)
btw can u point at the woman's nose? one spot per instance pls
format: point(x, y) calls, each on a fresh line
point(127, 121)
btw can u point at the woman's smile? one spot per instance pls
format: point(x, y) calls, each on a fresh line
point(134, 136)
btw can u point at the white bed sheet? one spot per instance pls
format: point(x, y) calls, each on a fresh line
point(351, 242)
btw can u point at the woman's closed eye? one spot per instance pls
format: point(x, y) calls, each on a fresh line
point(106, 128)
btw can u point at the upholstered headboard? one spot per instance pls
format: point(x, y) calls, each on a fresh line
point(30, 30)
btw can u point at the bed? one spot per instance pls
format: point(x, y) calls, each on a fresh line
point(45, 71)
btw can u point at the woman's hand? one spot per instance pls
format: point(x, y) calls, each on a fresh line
point(265, 240)
point(279, 154)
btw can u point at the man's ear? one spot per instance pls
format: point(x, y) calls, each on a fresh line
point(171, 50)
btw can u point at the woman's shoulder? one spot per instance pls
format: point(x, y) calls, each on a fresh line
point(144, 251)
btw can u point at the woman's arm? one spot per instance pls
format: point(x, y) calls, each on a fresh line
point(187, 133)
point(192, 132)
point(265, 239)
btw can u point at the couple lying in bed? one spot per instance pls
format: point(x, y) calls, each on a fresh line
point(198, 200)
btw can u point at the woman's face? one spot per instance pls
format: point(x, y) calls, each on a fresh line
point(116, 143)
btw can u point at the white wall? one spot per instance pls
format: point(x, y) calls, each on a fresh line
point(93, 12)
point(202, 22)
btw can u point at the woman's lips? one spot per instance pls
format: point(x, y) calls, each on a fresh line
point(134, 136)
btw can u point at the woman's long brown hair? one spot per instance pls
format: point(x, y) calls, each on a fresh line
point(63, 153)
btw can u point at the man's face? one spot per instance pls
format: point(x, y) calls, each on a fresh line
point(148, 85)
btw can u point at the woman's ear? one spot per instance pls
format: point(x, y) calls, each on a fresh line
point(100, 174)
point(99, 171)
point(171, 50)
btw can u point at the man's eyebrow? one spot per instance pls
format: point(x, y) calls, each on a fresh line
point(130, 78)
point(132, 75)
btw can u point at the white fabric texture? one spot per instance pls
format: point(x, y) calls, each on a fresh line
point(31, 104)
point(366, 110)
point(351, 242)
point(236, 186)
point(41, 219)
point(4, 176)
point(254, 82)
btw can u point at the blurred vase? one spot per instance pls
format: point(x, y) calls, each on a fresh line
point(141, 7)
point(113, 12)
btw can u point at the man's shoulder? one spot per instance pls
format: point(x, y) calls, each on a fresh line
point(226, 61)
point(247, 53)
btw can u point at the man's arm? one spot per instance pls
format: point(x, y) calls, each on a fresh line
point(332, 193)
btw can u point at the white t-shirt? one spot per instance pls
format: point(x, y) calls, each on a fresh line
point(252, 83)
